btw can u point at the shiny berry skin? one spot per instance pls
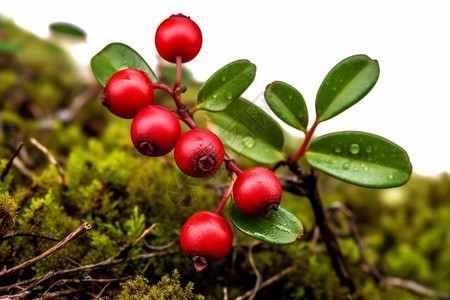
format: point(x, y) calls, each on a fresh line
point(176, 36)
point(257, 191)
point(155, 131)
point(199, 153)
point(206, 238)
point(127, 92)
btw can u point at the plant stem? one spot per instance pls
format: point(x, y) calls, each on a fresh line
point(225, 197)
point(329, 238)
point(179, 63)
point(306, 141)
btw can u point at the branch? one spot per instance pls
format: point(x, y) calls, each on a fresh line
point(110, 262)
point(32, 234)
point(10, 162)
point(80, 230)
point(52, 160)
point(269, 281)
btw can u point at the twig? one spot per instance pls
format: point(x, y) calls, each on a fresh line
point(10, 162)
point(103, 264)
point(127, 249)
point(255, 269)
point(158, 248)
point(80, 230)
point(53, 160)
point(415, 287)
point(269, 281)
point(32, 234)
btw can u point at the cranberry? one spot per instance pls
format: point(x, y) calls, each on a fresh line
point(206, 238)
point(199, 153)
point(257, 191)
point(155, 131)
point(176, 36)
point(127, 92)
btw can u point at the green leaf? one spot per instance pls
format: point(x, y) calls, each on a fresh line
point(115, 57)
point(67, 29)
point(248, 130)
point(226, 85)
point(347, 83)
point(280, 228)
point(288, 104)
point(360, 158)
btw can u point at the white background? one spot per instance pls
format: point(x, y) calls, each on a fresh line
point(297, 42)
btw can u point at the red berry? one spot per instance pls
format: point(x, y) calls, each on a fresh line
point(206, 238)
point(257, 191)
point(127, 92)
point(199, 153)
point(155, 131)
point(176, 36)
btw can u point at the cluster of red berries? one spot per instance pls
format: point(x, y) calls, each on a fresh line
point(155, 131)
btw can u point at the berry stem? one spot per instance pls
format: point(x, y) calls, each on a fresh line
point(162, 86)
point(225, 197)
point(232, 166)
point(306, 141)
point(179, 63)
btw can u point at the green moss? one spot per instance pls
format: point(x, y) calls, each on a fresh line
point(169, 287)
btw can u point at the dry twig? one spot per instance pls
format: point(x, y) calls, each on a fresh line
point(80, 230)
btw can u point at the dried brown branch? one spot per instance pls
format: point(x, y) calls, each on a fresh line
point(80, 230)
point(269, 281)
point(32, 234)
point(110, 262)
point(10, 161)
point(53, 160)
point(255, 269)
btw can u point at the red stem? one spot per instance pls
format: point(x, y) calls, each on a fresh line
point(308, 137)
point(232, 166)
point(162, 86)
point(179, 63)
point(225, 198)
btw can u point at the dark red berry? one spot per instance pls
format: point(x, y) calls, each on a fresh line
point(127, 92)
point(176, 36)
point(199, 153)
point(155, 131)
point(257, 191)
point(206, 238)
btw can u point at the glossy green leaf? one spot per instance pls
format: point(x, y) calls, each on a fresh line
point(288, 104)
point(280, 228)
point(115, 57)
point(67, 29)
point(226, 85)
point(248, 130)
point(347, 83)
point(360, 158)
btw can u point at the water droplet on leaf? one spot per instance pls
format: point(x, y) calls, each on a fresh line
point(346, 166)
point(249, 142)
point(337, 149)
point(369, 149)
point(229, 95)
point(354, 149)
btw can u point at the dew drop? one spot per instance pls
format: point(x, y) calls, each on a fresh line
point(224, 78)
point(390, 176)
point(346, 166)
point(354, 149)
point(249, 142)
point(229, 95)
point(337, 149)
point(123, 67)
point(369, 149)
point(356, 169)
point(290, 97)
